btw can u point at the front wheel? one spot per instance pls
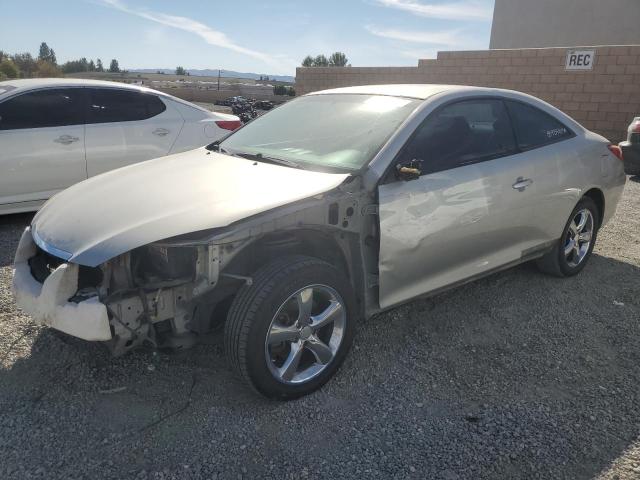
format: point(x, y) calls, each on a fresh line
point(288, 332)
point(571, 253)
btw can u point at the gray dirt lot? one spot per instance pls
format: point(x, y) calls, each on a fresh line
point(515, 376)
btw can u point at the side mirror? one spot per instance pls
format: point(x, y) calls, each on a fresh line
point(407, 171)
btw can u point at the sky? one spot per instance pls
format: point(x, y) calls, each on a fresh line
point(245, 35)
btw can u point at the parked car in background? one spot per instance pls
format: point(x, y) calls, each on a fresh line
point(334, 206)
point(631, 148)
point(264, 105)
point(57, 132)
point(227, 102)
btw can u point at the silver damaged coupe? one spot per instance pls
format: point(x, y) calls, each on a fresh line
point(330, 208)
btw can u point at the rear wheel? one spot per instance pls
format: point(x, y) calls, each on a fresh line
point(288, 332)
point(571, 253)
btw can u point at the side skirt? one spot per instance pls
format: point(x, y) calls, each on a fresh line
point(526, 256)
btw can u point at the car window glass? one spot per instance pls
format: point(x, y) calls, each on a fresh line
point(329, 131)
point(111, 105)
point(535, 128)
point(43, 108)
point(461, 134)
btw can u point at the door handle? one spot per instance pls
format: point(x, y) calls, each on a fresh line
point(66, 139)
point(161, 132)
point(522, 183)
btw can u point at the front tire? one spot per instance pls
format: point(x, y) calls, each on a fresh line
point(288, 332)
point(572, 252)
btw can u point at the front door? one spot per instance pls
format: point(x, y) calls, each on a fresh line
point(466, 214)
point(41, 145)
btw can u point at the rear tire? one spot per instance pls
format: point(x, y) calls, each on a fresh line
point(572, 252)
point(288, 332)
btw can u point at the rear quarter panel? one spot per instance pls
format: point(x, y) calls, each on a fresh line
point(598, 168)
point(612, 176)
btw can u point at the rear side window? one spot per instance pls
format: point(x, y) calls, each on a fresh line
point(111, 105)
point(461, 133)
point(43, 108)
point(535, 128)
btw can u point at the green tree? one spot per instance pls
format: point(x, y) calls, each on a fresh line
point(180, 71)
point(74, 66)
point(26, 64)
point(320, 61)
point(308, 61)
point(47, 69)
point(92, 66)
point(9, 69)
point(114, 67)
point(283, 90)
point(338, 59)
point(99, 67)
point(45, 51)
point(47, 54)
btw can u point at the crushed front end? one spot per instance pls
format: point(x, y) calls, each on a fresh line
point(152, 294)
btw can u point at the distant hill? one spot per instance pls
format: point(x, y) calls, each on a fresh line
point(214, 73)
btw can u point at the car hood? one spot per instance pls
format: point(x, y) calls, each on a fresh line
point(113, 213)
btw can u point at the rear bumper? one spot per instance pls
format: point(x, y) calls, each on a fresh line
point(631, 154)
point(48, 303)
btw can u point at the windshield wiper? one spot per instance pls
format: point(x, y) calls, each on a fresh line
point(264, 158)
point(215, 147)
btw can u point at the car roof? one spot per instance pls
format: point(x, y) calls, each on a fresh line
point(420, 91)
point(17, 86)
point(25, 84)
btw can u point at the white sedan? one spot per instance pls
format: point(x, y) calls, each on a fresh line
point(57, 132)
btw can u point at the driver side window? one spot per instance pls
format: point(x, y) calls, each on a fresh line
point(461, 133)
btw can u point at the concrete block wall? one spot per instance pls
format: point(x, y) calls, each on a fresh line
point(604, 99)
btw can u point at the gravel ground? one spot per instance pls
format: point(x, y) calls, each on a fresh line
point(515, 376)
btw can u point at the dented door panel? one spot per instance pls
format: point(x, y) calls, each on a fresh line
point(451, 225)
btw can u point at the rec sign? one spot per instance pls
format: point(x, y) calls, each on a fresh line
point(580, 59)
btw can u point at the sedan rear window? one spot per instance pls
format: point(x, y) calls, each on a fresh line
point(343, 131)
point(107, 105)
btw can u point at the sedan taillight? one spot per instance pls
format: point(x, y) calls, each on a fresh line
point(229, 124)
point(617, 151)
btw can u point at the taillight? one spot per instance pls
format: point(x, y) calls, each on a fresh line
point(616, 150)
point(229, 124)
point(635, 127)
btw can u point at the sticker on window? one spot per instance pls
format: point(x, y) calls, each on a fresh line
point(556, 132)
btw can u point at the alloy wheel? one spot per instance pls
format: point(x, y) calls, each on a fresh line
point(305, 334)
point(578, 238)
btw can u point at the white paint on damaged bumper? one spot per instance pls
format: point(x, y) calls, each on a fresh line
point(48, 302)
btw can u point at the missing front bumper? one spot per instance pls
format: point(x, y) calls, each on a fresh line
point(48, 302)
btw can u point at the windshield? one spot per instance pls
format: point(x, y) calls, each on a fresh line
point(333, 131)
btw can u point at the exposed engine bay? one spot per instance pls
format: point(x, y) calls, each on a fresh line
point(165, 294)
